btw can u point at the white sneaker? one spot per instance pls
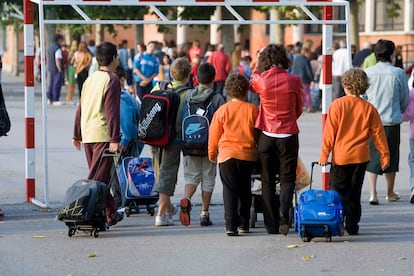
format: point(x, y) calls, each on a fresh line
point(163, 220)
point(58, 103)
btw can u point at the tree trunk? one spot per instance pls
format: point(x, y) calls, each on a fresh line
point(100, 34)
point(354, 23)
point(228, 38)
point(139, 34)
point(277, 31)
point(16, 52)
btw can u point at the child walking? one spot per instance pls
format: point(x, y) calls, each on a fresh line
point(350, 123)
point(232, 144)
point(198, 169)
point(166, 160)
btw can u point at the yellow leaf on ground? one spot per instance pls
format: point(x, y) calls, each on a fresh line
point(403, 258)
point(307, 257)
point(290, 246)
point(91, 255)
point(38, 236)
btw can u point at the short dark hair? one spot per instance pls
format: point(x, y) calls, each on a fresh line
point(206, 73)
point(105, 53)
point(120, 72)
point(384, 50)
point(236, 86)
point(58, 37)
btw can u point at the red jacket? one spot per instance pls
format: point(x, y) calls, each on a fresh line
point(280, 100)
point(221, 63)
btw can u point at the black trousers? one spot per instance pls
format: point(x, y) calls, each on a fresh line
point(277, 156)
point(237, 197)
point(347, 180)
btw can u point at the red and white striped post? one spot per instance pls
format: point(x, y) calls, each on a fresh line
point(29, 99)
point(327, 34)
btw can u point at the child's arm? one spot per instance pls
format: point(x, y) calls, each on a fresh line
point(215, 132)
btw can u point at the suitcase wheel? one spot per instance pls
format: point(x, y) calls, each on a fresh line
point(305, 237)
point(127, 212)
point(150, 210)
point(95, 233)
point(71, 232)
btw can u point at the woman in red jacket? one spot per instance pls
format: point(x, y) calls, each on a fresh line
point(280, 106)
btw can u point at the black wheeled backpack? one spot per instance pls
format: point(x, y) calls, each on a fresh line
point(196, 123)
point(156, 125)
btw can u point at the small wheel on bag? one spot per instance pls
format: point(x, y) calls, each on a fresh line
point(95, 233)
point(71, 232)
point(127, 212)
point(306, 238)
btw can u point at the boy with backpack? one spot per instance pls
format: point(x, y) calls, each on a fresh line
point(166, 159)
point(194, 116)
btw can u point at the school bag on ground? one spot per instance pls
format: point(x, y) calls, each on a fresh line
point(196, 123)
point(319, 213)
point(137, 183)
point(156, 125)
point(84, 207)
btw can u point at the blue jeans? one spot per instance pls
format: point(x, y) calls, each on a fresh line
point(411, 163)
point(55, 86)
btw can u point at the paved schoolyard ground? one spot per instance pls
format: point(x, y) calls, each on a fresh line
point(32, 242)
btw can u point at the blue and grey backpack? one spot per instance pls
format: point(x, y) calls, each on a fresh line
point(196, 122)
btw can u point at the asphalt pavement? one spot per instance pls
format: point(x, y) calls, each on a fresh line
point(32, 242)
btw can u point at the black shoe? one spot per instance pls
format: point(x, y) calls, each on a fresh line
point(205, 219)
point(352, 230)
point(412, 197)
point(272, 230)
point(232, 233)
point(284, 226)
point(244, 230)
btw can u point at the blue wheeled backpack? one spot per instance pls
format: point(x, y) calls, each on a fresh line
point(137, 182)
point(319, 213)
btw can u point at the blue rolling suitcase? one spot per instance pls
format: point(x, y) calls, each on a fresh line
point(319, 213)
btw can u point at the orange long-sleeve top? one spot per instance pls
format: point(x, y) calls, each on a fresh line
point(232, 133)
point(350, 123)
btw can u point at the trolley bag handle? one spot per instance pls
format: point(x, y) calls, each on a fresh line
point(311, 174)
point(106, 153)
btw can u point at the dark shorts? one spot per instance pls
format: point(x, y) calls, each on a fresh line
point(393, 139)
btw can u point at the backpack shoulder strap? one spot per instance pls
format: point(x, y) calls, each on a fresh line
point(180, 88)
point(209, 98)
point(164, 85)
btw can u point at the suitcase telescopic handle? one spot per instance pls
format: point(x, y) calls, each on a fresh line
point(311, 175)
